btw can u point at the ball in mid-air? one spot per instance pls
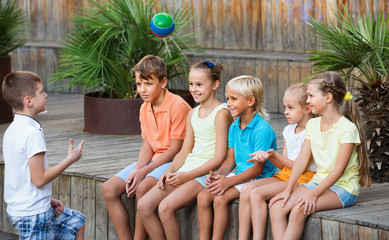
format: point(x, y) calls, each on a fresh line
point(162, 25)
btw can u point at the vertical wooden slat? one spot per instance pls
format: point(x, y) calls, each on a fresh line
point(286, 25)
point(348, 231)
point(271, 85)
point(256, 26)
point(218, 16)
point(312, 229)
point(101, 228)
point(368, 233)
point(267, 25)
point(283, 83)
point(246, 16)
point(383, 235)
point(77, 192)
point(299, 26)
point(277, 26)
point(294, 72)
point(329, 229)
point(89, 207)
point(64, 190)
point(55, 188)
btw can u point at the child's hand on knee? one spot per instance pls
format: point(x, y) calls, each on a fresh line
point(176, 179)
point(219, 186)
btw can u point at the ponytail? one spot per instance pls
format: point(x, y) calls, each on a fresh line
point(352, 113)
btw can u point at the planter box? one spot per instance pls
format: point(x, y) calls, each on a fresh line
point(6, 114)
point(111, 116)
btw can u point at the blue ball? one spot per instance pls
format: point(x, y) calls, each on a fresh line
point(162, 25)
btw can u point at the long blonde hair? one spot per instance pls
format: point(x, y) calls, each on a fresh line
point(250, 86)
point(331, 82)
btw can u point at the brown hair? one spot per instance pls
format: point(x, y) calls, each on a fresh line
point(151, 65)
point(213, 68)
point(17, 85)
point(331, 82)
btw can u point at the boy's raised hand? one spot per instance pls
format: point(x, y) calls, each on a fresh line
point(74, 154)
point(258, 156)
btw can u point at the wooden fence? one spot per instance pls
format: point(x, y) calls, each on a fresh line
point(265, 38)
point(261, 25)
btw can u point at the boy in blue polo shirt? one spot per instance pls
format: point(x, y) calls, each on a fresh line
point(248, 134)
point(27, 179)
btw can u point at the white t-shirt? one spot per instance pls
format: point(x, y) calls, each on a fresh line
point(22, 140)
point(294, 143)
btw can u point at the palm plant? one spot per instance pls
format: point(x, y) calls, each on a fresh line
point(360, 53)
point(12, 25)
point(110, 38)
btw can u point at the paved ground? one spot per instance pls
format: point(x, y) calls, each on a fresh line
point(6, 236)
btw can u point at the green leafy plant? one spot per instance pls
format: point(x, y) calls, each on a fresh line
point(110, 38)
point(359, 50)
point(12, 26)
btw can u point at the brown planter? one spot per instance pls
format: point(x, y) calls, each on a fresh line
point(6, 114)
point(111, 116)
point(116, 116)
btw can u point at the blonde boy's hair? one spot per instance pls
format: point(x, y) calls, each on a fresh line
point(18, 85)
point(150, 66)
point(248, 86)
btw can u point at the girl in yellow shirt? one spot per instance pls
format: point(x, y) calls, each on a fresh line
point(333, 140)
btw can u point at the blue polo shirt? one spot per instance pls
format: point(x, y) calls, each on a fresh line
point(257, 135)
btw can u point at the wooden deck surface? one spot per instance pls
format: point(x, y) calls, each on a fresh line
point(104, 155)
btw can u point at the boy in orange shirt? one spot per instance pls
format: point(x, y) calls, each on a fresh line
point(162, 117)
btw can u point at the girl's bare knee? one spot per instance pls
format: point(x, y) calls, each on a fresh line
point(165, 211)
point(256, 195)
point(204, 199)
point(220, 202)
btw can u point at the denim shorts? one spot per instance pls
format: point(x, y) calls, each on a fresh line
point(201, 180)
point(347, 199)
point(156, 173)
point(45, 226)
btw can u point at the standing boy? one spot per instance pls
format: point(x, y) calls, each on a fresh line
point(162, 117)
point(27, 180)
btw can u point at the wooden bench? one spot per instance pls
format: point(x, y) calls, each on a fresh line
point(80, 186)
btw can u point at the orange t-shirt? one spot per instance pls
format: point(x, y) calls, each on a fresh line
point(167, 123)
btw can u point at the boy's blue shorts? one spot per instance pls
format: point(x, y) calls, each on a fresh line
point(347, 199)
point(156, 173)
point(46, 226)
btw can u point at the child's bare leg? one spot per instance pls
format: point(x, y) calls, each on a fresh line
point(205, 214)
point(145, 186)
point(147, 207)
point(220, 206)
point(179, 198)
point(279, 216)
point(80, 233)
point(258, 197)
point(112, 191)
point(244, 206)
point(328, 200)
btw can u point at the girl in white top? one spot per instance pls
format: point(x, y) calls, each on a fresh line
point(252, 203)
point(203, 150)
point(333, 140)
